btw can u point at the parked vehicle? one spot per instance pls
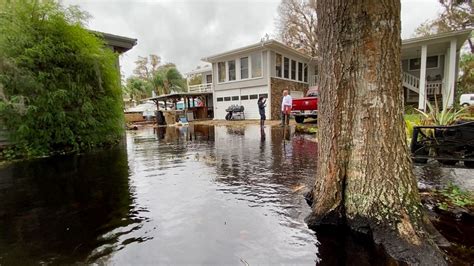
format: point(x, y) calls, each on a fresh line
point(235, 112)
point(466, 100)
point(306, 107)
point(447, 144)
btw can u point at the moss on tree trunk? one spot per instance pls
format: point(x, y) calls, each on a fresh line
point(364, 175)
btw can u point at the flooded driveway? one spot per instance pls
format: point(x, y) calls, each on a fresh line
point(195, 195)
point(190, 195)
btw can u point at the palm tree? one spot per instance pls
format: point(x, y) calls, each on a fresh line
point(136, 88)
point(167, 79)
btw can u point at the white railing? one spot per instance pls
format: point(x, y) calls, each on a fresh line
point(434, 87)
point(207, 87)
point(412, 81)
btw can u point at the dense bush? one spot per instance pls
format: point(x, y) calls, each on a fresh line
point(59, 86)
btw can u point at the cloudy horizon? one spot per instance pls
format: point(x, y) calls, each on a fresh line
point(184, 31)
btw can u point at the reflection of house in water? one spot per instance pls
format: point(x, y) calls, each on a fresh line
point(185, 133)
point(257, 169)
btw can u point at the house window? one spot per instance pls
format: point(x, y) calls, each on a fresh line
point(300, 71)
point(235, 98)
point(244, 97)
point(305, 72)
point(264, 95)
point(431, 62)
point(220, 99)
point(208, 78)
point(286, 68)
point(253, 96)
point(293, 69)
point(226, 99)
point(278, 65)
point(244, 68)
point(231, 65)
point(221, 71)
point(256, 61)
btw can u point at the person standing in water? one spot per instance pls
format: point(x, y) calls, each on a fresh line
point(286, 103)
point(261, 109)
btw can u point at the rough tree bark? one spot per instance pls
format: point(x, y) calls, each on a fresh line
point(364, 175)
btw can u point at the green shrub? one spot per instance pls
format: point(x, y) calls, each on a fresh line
point(59, 86)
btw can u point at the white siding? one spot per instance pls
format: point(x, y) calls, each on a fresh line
point(250, 105)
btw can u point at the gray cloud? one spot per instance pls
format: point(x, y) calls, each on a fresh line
point(183, 32)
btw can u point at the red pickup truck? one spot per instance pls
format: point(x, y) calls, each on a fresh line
point(306, 107)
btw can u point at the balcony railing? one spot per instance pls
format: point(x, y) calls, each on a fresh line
point(207, 87)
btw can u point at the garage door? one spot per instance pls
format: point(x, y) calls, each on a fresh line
point(224, 99)
point(247, 97)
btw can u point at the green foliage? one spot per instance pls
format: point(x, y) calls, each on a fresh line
point(168, 79)
point(59, 87)
point(137, 88)
point(162, 79)
point(437, 117)
point(453, 195)
point(466, 78)
point(411, 121)
point(195, 80)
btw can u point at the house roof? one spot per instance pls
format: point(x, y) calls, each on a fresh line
point(121, 44)
point(271, 43)
point(461, 35)
point(178, 95)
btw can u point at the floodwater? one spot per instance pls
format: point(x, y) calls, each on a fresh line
point(190, 195)
point(196, 195)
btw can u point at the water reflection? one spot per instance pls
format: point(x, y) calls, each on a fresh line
point(53, 210)
point(175, 195)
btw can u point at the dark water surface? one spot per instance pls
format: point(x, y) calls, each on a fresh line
point(191, 195)
point(197, 195)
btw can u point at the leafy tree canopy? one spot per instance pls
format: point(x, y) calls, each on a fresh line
point(59, 87)
point(160, 78)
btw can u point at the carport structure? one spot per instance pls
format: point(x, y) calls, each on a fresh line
point(199, 112)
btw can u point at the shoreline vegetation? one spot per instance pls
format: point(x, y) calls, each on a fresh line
point(61, 94)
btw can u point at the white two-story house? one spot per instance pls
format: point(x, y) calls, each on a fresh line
point(265, 69)
point(241, 76)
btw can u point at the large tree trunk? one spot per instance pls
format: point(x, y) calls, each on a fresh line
point(364, 175)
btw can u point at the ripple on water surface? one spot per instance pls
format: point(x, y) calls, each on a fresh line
point(193, 195)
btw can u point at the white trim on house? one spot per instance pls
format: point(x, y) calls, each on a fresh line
point(416, 41)
point(270, 44)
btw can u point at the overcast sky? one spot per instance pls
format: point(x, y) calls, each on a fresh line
point(184, 31)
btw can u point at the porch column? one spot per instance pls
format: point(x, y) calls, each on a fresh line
point(444, 88)
point(451, 73)
point(422, 93)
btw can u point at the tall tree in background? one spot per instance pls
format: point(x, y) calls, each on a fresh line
point(137, 88)
point(161, 78)
point(297, 25)
point(364, 174)
point(167, 79)
point(456, 15)
point(146, 66)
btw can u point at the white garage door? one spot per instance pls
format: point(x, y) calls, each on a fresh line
point(247, 97)
point(224, 99)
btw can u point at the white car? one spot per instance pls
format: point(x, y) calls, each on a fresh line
point(466, 99)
